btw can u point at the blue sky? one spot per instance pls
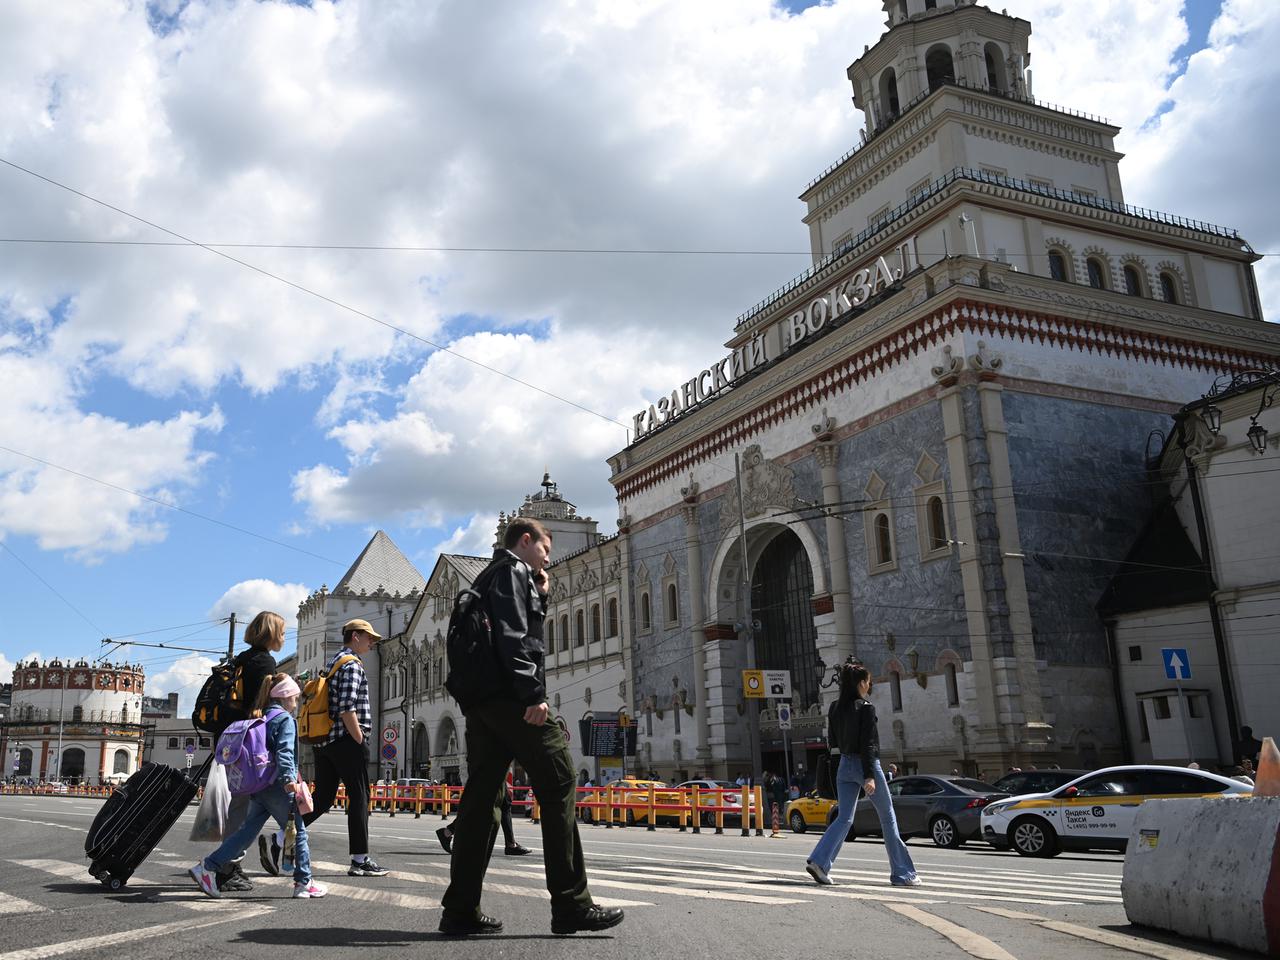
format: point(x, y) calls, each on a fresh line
point(198, 382)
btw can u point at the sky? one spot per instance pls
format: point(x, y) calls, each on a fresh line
point(189, 431)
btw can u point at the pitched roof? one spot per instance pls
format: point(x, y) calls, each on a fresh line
point(468, 567)
point(381, 564)
point(1162, 570)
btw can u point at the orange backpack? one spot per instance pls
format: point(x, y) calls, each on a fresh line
point(314, 721)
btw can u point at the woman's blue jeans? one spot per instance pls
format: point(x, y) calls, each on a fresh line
point(849, 780)
point(270, 802)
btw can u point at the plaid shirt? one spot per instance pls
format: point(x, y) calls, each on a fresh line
point(348, 691)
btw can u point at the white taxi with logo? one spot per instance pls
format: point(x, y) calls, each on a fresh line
point(1093, 812)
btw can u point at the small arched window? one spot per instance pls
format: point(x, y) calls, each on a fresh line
point(1058, 266)
point(564, 633)
point(895, 690)
point(953, 688)
point(1097, 274)
point(884, 541)
point(77, 714)
point(646, 611)
point(1132, 282)
point(931, 4)
point(937, 524)
point(889, 94)
point(579, 628)
point(120, 764)
point(551, 634)
point(994, 62)
point(673, 605)
point(595, 622)
point(1168, 288)
point(612, 619)
point(939, 66)
point(124, 713)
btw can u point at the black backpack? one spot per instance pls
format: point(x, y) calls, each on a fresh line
point(473, 662)
point(221, 699)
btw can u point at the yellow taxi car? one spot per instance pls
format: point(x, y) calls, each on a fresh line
point(811, 810)
point(637, 791)
point(1093, 812)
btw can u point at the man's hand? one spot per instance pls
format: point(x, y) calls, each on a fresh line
point(869, 787)
point(542, 581)
point(537, 715)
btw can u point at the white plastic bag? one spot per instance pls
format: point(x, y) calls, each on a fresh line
point(211, 815)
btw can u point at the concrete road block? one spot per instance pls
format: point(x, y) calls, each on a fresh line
point(1208, 869)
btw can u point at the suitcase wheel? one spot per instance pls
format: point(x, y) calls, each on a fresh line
point(113, 883)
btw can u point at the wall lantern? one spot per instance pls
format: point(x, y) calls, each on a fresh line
point(1258, 437)
point(1212, 418)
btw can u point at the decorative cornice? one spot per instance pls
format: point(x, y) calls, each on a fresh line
point(893, 348)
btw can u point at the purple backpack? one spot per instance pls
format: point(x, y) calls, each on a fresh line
point(242, 749)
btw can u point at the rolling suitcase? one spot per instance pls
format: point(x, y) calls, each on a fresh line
point(136, 817)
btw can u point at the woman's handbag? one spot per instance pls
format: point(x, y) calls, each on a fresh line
point(303, 796)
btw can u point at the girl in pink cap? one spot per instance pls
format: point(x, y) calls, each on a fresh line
point(277, 702)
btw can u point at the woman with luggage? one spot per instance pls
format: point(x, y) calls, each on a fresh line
point(276, 704)
point(853, 729)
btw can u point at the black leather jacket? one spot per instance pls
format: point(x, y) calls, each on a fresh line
point(516, 611)
point(855, 732)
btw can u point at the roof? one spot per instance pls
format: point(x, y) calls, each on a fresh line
point(381, 564)
point(1162, 570)
point(468, 567)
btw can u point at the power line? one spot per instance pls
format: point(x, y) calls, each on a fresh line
point(312, 293)
point(74, 609)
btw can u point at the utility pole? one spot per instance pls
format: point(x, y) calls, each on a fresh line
point(753, 705)
point(61, 698)
point(231, 639)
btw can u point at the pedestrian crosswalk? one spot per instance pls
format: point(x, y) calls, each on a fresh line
point(634, 880)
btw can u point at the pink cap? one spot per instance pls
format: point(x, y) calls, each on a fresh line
point(288, 687)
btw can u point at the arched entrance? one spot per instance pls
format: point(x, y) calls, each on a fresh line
point(421, 751)
point(448, 760)
point(72, 766)
point(24, 762)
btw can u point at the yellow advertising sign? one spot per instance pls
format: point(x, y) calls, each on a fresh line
point(753, 684)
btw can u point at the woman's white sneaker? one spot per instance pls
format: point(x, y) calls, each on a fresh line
point(912, 882)
point(205, 880)
point(311, 890)
point(819, 875)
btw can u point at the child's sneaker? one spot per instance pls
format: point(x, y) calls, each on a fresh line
point(206, 880)
point(311, 889)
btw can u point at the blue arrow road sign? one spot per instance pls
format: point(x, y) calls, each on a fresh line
point(1177, 665)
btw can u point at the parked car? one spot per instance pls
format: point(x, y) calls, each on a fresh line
point(945, 808)
point(1036, 781)
point(1096, 811)
point(810, 811)
point(726, 799)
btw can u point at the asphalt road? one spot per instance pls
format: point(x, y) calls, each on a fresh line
point(685, 896)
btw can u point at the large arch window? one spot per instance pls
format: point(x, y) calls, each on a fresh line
point(1097, 273)
point(120, 764)
point(579, 628)
point(72, 766)
point(889, 95)
point(24, 762)
point(646, 612)
point(595, 622)
point(782, 602)
point(1168, 288)
point(564, 633)
point(895, 690)
point(937, 524)
point(551, 634)
point(673, 605)
point(939, 66)
point(953, 687)
point(1132, 282)
point(612, 619)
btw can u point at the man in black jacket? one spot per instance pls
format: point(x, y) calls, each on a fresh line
point(510, 722)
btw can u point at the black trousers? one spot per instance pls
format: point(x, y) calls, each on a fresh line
point(508, 829)
point(343, 760)
point(496, 735)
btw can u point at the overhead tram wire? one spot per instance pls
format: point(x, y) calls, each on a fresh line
point(313, 293)
point(50, 587)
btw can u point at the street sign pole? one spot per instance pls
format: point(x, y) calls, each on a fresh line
point(1186, 720)
point(786, 756)
point(1177, 667)
point(753, 706)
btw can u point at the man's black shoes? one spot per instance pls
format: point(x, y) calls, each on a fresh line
point(516, 850)
point(269, 853)
point(445, 836)
point(452, 925)
point(592, 918)
point(234, 880)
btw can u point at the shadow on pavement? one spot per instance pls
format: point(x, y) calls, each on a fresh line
point(1168, 939)
point(345, 937)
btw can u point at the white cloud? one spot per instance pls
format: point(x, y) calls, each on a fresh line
point(185, 678)
point(248, 598)
point(472, 539)
point(6, 665)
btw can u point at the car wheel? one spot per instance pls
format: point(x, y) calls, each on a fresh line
point(797, 822)
point(631, 818)
point(709, 820)
point(1032, 837)
point(944, 832)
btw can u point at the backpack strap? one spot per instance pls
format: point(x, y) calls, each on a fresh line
point(340, 663)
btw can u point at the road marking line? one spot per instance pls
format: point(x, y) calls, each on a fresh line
point(43, 823)
point(1122, 941)
point(11, 905)
point(75, 871)
point(967, 940)
point(145, 933)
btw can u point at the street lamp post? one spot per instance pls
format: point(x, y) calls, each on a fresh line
point(62, 695)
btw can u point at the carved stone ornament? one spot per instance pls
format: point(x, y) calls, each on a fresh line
point(986, 366)
point(948, 371)
point(825, 427)
point(765, 484)
point(1201, 441)
point(690, 493)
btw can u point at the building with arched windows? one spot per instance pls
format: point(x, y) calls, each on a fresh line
point(929, 450)
point(76, 722)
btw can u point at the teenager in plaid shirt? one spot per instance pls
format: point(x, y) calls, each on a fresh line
point(345, 755)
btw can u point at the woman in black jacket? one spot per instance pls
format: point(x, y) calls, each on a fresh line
point(853, 730)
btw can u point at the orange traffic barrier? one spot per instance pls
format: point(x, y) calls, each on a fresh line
point(759, 805)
